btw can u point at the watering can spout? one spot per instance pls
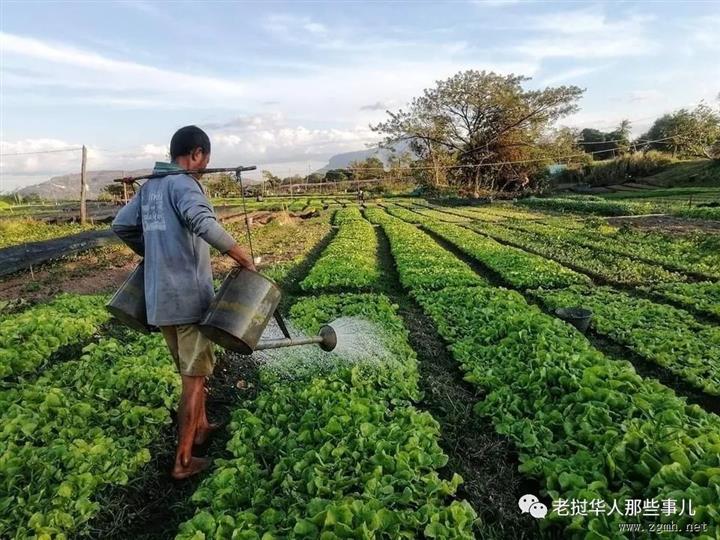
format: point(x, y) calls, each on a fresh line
point(327, 339)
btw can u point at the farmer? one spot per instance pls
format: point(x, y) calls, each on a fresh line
point(171, 223)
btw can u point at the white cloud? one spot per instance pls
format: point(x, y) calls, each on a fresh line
point(570, 75)
point(588, 34)
point(645, 95)
point(268, 142)
point(704, 32)
point(287, 26)
point(61, 65)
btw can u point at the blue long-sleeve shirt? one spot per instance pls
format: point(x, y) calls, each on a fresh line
point(171, 223)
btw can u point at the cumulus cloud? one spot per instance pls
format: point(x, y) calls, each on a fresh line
point(268, 143)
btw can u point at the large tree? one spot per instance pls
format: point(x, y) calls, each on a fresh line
point(337, 175)
point(686, 133)
point(603, 145)
point(221, 185)
point(467, 128)
point(368, 169)
point(270, 179)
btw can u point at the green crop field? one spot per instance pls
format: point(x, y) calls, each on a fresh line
point(466, 393)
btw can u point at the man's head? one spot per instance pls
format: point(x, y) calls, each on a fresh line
point(190, 148)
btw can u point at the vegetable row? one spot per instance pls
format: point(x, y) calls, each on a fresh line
point(662, 334)
point(519, 268)
point(607, 266)
point(602, 207)
point(350, 260)
point(422, 264)
point(21, 231)
point(694, 253)
point(343, 455)
point(30, 338)
point(702, 297)
point(81, 426)
point(586, 426)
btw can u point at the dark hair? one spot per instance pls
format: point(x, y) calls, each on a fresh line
point(187, 139)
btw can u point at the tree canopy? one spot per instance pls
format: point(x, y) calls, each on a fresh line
point(686, 133)
point(606, 145)
point(466, 125)
point(368, 169)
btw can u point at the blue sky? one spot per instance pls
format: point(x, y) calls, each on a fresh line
point(286, 85)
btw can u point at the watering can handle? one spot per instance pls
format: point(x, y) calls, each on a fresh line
point(281, 323)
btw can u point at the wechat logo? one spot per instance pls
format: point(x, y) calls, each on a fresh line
point(531, 504)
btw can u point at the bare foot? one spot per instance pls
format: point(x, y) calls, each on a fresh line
point(203, 432)
point(196, 465)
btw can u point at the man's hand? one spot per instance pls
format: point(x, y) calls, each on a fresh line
point(240, 256)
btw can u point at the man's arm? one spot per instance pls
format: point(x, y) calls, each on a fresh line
point(196, 211)
point(127, 225)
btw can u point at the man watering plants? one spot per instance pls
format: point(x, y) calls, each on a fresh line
point(171, 223)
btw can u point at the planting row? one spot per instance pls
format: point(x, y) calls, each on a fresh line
point(689, 253)
point(282, 245)
point(489, 212)
point(695, 253)
point(607, 266)
point(342, 455)
point(588, 427)
point(81, 426)
point(350, 260)
point(425, 264)
point(603, 207)
point(519, 268)
point(28, 339)
point(703, 298)
point(662, 334)
point(589, 205)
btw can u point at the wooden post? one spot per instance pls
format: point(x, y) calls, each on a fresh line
point(125, 199)
point(83, 187)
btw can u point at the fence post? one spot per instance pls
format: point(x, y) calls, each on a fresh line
point(83, 187)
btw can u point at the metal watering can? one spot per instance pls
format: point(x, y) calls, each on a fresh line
point(236, 318)
point(241, 310)
point(128, 304)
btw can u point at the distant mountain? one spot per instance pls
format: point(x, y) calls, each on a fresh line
point(67, 186)
point(340, 161)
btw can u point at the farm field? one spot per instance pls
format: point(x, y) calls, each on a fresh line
point(465, 393)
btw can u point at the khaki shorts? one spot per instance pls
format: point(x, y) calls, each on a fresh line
point(191, 350)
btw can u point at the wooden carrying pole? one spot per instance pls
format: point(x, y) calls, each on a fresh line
point(83, 187)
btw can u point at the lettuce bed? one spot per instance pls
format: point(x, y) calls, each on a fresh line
point(702, 297)
point(694, 253)
point(611, 267)
point(350, 261)
point(662, 334)
point(586, 426)
point(340, 456)
point(28, 339)
point(421, 263)
point(82, 425)
point(517, 267)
